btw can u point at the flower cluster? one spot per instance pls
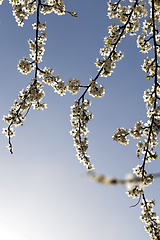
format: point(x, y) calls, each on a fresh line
point(59, 86)
point(22, 9)
point(41, 26)
point(129, 17)
point(56, 6)
point(109, 53)
point(153, 113)
point(120, 136)
point(132, 181)
point(146, 180)
point(135, 192)
point(135, 183)
point(32, 96)
point(9, 132)
point(144, 43)
point(37, 48)
point(25, 66)
point(73, 85)
point(148, 216)
point(95, 90)
point(121, 13)
point(53, 81)
point(149, 67)
point(80, 116)
point(150, 129)
point(137, 132)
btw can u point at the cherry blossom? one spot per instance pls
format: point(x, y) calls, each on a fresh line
point(128, 19)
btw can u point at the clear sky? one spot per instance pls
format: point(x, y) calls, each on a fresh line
point(44, 192)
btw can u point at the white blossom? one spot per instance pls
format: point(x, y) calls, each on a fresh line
point(95, 90)
point(59, 86)
point(8, 132)
point(120, 136)
point(150, 219)
point(40, 49)
point(80, 116)
point(56, 6)
point(41, 26)
point(73, 85)
point(25, 66)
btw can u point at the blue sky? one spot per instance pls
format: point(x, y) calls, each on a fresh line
point(45, 193)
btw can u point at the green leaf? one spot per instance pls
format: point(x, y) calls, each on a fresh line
point(148, 77)
point(87, 118)
point(100, 63)
point(142, 48)
point(106, 73)
point(149, 28)
point(129, 30)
